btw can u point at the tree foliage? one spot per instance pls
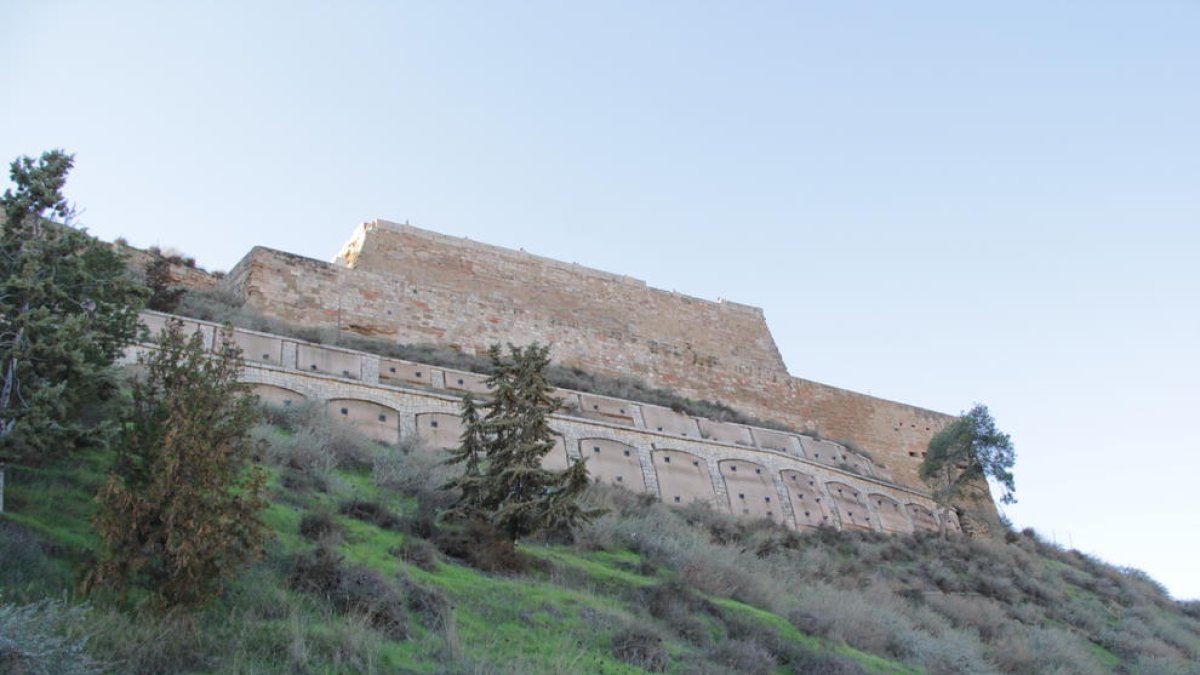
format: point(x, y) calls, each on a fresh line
point(182, 507)
point(964, 455)
point(67, 309)
point(503, 481)
point(165, 295)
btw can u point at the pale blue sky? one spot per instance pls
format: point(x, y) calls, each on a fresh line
point(935, 202)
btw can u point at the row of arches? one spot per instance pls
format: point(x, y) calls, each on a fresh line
point(790, 497)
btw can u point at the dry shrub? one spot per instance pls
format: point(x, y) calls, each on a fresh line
point(412, 468)
point(981, 614)
point(321, 526)
point(1157, 665)
point(482, 546)
point(348, 445)
point(641, 647)
point(679, 607)
point(150, 643)
point(316, 444)
point(289, 418)
point(417, 552)
point(351, 590)
point(743, 656)
point(370, 512)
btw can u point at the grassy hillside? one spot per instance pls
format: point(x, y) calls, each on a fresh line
point(361, 577)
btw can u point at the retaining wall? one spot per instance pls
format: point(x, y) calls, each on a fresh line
point(782, 484)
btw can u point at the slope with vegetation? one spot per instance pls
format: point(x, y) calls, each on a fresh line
point(370, 562)
point(362, 576)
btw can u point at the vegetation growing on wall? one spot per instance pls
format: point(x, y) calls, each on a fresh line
point(963, 456)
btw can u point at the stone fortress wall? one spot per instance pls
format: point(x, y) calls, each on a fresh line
point(411, 285)
point(796, 480)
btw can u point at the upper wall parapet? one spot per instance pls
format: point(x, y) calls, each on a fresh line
point(389, 248)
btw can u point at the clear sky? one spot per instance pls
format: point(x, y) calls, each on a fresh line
point(934, 202)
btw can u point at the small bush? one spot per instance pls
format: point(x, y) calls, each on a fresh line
point(321, 526)
point(351, 590)
point(641, 647)
point(370, 512)
point(483, 547)
point(743, 656)
point(416, 471)
point(679, 607)
point(151, 643)
point(417, 552)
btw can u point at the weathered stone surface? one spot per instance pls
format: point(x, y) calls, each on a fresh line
point(411, 285)
point(780, 485)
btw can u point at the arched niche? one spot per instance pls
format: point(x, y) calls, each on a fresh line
point(682, 477)
point(277, 396)
point(892, 518)
point(614, 462)
point(557, 459)
point(922, 518)
point(440, 429)
point(751, 490)
point(850, 505)
point(376, 421)
point(805, 496)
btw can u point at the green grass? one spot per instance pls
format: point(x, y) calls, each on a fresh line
point(564, 613)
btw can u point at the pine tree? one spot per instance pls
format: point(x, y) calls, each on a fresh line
point(67, 310)
point(183, 505)
point(504, 482)
point(962, 458)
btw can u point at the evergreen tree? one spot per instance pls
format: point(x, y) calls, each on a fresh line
point(67, 310)
point(504, 482)
point(183, 505)
point(164, 294)
point(964, 455)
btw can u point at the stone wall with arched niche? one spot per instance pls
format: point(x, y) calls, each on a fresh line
point(376, 421)
point(682, 477)
point(851, 508)
point(751, 490)
point(808, 504)
point(614, 462)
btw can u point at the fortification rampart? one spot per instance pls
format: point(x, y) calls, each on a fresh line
point(411, 285)
point(796, 480)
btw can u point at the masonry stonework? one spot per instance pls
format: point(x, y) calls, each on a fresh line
point(410, 285)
